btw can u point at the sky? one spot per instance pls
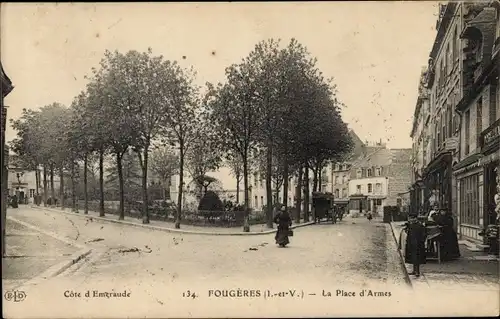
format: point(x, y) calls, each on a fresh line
point(374, 51)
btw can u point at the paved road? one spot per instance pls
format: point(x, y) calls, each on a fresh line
point(353, 252)
point(157, 267)
point(29, 253)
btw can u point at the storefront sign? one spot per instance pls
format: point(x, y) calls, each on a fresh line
point(491, 135)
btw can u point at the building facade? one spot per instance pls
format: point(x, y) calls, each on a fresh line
point(334, 178)
point(378, 178)
point(337, 175)
point(460, 160)
point(443, 88)
point(420, 141)
point(479, 110)
point(6, 87)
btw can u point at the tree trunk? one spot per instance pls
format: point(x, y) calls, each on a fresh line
point(121, 183)
point(52, 187)
point(85, 185)
point(61, 186)
point(73, 187)
point(101, 182)
point(238, 178)
point(37, 186)
point(145, 206)
point(285, 182)
point(320, 180)
point(246, 226)
point(315, 180)
point(298, 196)
point(181, 187)
point(44, 185)
point(269, 186)
point(306, 193)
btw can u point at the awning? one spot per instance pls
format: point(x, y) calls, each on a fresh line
point(357, 196)
point(341, 202)
point(376, 197)
point(469, 163)
point(485, 160)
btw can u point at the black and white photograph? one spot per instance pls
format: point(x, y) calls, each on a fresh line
point(250, 159)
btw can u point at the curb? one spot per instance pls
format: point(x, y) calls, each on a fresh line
point(59, 268)
point(401, 258)
point(166, 229)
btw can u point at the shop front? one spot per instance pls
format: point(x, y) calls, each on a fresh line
point(437, 179)
point(417, 197)
point(470, 210)
point(490, 163)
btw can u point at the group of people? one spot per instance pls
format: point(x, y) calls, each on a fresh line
point(418, 246)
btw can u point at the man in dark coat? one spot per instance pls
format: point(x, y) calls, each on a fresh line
point(415, 244)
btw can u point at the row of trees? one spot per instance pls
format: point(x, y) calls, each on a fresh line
point(275, 113)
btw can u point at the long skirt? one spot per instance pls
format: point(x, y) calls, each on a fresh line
point(282, 237)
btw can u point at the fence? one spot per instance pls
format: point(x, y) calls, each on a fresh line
point(160, 211)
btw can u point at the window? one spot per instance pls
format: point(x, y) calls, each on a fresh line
point(336, 179)
point(369, 172)
point(450, 121)
point(262, 201)
point(256, 202)
point(344, 192)
point(469, 200)
point(261, 182)
point(337, 193)
point(493, 109)
point(358, 173)
point(449, 57)
point(32, 193)
point(467, 132)
point(255, 178)
point(438, 135)
point(443, 128)
point(378, 188)
point(455, 42)
point(363, 172)
point(369, 188)
point(344, 179)
point(358, 189)
point(377, 171)
point(479, 117)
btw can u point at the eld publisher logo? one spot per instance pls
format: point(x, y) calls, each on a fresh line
point(16, 296)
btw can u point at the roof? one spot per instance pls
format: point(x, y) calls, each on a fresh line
point(6, 83)
point(381, 156)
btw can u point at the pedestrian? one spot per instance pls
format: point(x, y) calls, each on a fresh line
point(369, 216)
point(284, 222)
point(415, 244)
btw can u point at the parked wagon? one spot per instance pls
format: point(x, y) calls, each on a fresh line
point(323, 206)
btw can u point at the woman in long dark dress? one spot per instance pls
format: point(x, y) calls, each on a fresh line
point(284, 222)
point(415, 244)
point(448, 241)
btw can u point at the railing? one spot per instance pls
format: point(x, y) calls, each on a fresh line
point(195, 218)
point(490, 137)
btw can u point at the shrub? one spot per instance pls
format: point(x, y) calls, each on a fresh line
point(211, 202)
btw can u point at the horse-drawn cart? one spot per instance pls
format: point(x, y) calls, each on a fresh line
point(323, 204)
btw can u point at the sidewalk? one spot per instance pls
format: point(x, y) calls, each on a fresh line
point(472, 271)
point(170, 227)
point(32, 254)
